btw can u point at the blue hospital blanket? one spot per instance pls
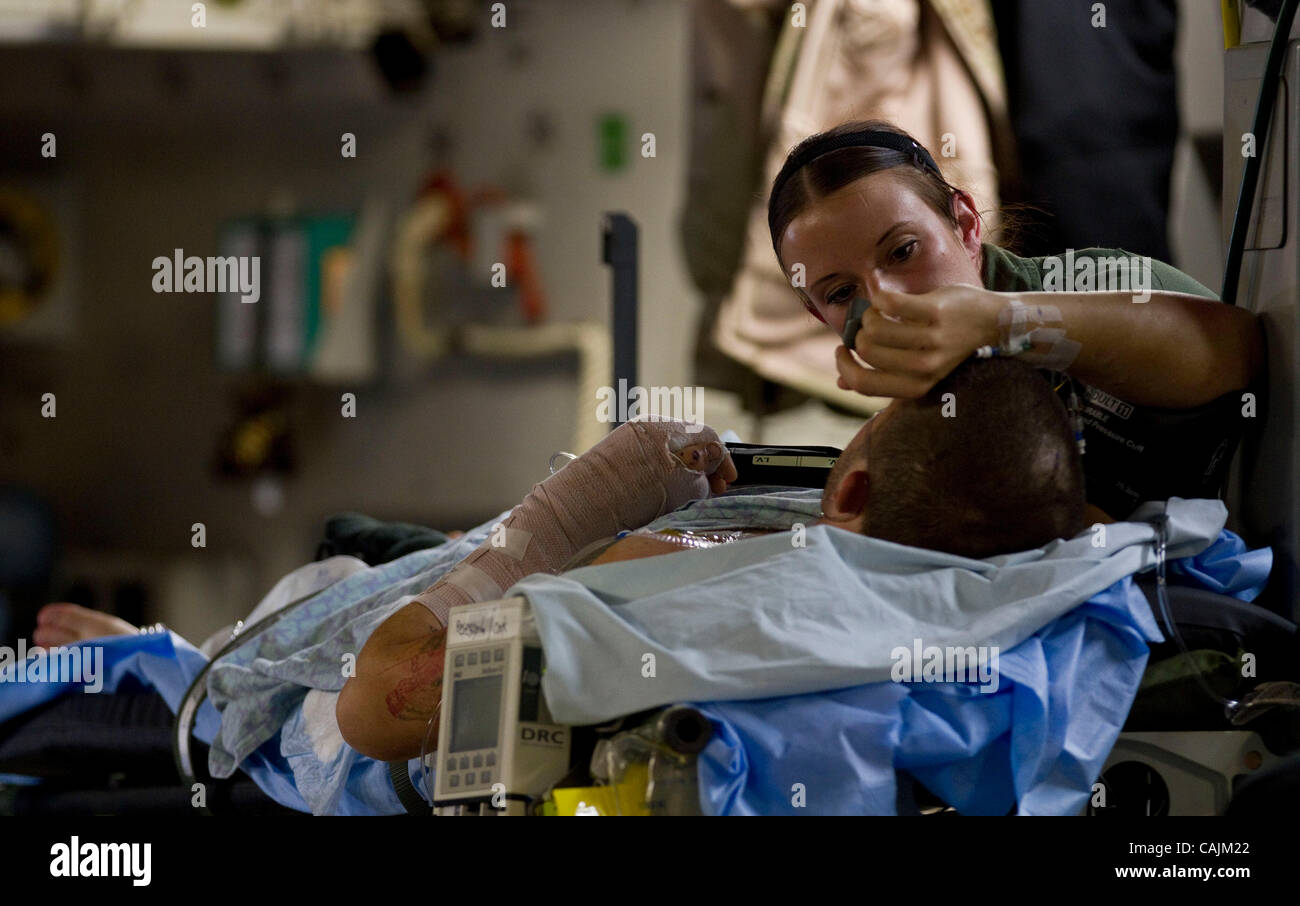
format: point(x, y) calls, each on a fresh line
point(256, 716)
point(1039, 741)
point(763, 628)
point(257, 690)
point(783, 615)
point(261, 687)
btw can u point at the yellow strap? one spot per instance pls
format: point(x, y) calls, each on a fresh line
point(627, 797)
point(1231, 24)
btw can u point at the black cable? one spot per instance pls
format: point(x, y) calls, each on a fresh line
point(188, 710)
point(1250, 176)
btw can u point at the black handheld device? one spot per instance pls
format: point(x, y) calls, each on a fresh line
point(857, 308)
point(798, 467)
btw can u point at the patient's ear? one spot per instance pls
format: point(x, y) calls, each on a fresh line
point(846, 506)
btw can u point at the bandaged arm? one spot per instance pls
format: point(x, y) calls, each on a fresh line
point(637, 473)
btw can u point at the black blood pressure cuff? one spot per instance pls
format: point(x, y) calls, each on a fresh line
point(1138, 453)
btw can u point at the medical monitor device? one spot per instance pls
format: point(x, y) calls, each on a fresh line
point(498, 746)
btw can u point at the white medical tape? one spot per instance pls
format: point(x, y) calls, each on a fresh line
point(1035, 334)
point(474, 582)
point(513, 542)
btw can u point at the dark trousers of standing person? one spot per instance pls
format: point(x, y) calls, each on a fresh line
point(1095, 112)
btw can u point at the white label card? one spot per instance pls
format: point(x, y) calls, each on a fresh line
point(488, 622)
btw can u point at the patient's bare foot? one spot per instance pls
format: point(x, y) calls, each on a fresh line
point(65, 624)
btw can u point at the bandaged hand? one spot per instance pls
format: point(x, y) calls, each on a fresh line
point(637, 473)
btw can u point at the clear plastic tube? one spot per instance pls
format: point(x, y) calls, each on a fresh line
point(1161, 525)
point(565, 459)
point(424, 757)
point(424, 750)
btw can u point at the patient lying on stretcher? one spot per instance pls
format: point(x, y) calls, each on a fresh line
point(984, 464)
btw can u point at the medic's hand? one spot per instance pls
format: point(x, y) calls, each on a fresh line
point(912, 342)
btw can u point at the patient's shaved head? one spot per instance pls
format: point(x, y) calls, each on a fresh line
point(991, 469)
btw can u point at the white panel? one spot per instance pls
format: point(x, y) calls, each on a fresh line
point(1262, 493)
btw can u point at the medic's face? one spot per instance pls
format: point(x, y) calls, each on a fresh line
point(877, 233)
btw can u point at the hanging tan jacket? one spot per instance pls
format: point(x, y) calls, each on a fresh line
point(929, 67)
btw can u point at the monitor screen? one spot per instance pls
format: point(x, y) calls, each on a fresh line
point(477, 704)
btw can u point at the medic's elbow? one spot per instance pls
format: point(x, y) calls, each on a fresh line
point(1240, 356)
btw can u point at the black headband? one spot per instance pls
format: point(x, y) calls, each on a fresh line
point(891, 140)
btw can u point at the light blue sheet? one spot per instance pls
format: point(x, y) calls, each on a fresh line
point(166, 663)
point(261, 686)
point(1227, 566)
point(763, 628)
point(256, 690)
point(763, 617)
point(1039, 741)
point(162, 660)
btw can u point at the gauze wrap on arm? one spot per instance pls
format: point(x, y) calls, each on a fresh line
point(636, 474)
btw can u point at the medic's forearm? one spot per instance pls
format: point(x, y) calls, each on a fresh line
point(1173, 351)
